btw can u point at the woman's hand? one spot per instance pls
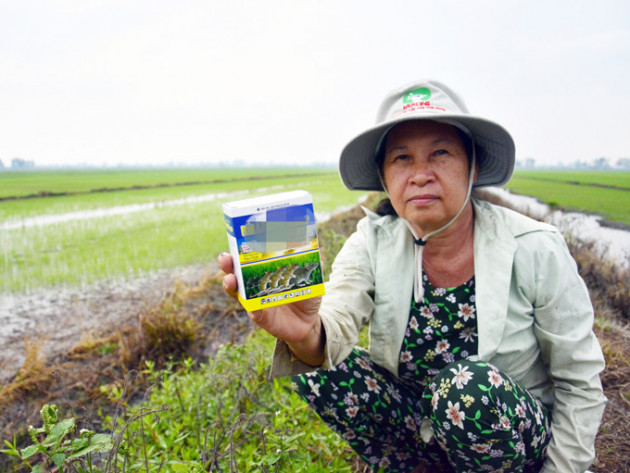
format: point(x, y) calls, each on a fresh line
point(298, 323)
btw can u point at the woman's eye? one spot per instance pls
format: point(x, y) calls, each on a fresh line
point(441, 152)
point(400, 157)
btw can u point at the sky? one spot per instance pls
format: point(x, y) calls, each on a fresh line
point(151, 82)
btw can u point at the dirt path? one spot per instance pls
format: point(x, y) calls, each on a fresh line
point(59, 318)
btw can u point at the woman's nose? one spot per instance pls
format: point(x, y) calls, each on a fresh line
point(421, 172)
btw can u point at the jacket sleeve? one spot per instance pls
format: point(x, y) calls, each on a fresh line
point(346, 306)
point(563, 324)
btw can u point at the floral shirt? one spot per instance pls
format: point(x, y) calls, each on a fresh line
point(441, 330)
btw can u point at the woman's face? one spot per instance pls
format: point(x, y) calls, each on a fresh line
point(425, 169)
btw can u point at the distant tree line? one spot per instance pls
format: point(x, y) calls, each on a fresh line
point(596, 164)
point(527, 163)
point(19, 163)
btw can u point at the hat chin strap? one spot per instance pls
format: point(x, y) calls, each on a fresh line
point(419, 243)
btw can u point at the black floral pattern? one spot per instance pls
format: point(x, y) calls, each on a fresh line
point(441, 330)
point(443, 409)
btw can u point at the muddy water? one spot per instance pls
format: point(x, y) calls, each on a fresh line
point(60, 317)
point(612, 244)
point(42, 220)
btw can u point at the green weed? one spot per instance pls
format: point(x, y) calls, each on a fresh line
point(222, 416)
point(61, 446)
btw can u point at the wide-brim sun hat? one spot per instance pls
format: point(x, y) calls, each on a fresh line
point(427, 100)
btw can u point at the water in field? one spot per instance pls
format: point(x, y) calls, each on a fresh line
point(43, 220)
point(60, 315)
point(611, 243)
point(122, 209)
point(63, 314)
point(56, 319)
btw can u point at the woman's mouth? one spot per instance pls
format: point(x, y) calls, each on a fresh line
point(422, 199)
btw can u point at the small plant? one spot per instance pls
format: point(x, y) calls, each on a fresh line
point(60, 446)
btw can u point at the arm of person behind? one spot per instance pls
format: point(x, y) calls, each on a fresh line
point(569, 348)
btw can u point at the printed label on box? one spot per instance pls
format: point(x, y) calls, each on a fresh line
point(273, 241)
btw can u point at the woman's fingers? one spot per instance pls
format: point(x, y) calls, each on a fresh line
point(290, 322)
point(226, 263)
point(230, 283)
point(256, 316)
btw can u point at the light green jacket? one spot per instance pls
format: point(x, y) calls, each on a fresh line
point(534, 316)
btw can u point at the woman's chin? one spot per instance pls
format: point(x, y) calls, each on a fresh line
point(425, 222)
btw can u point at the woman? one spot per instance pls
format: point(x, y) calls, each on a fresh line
point(482, 355)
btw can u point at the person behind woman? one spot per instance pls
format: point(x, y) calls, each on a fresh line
point(482, 355)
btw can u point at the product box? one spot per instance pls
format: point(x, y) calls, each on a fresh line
point(273, 241)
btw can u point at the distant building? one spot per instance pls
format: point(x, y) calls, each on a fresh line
point(529, 163)
point(623, 163)
point(601, 163)
point(19, 163)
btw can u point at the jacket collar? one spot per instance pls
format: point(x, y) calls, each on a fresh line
point(494, 249)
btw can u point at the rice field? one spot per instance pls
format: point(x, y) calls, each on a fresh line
point(34, 182)
point(72, 191)
point(598, 192)
point(73, 228)
point(133, 223)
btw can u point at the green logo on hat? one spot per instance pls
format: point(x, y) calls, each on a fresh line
point(418, 95)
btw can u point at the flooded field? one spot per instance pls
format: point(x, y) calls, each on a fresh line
point(71, 266)
point(611, 243)
point(81, 238)
point(57, 319)
point(73, 263)
point(605, 193)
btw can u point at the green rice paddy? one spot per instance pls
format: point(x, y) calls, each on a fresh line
point(603, 193)
point(181, 222)
point(32, 182)
point(169, 232)
point(72, 194)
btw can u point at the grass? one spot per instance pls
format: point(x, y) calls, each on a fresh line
point(244, 421)
point(85, 251)
point(606, 194)
point(222, 414)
